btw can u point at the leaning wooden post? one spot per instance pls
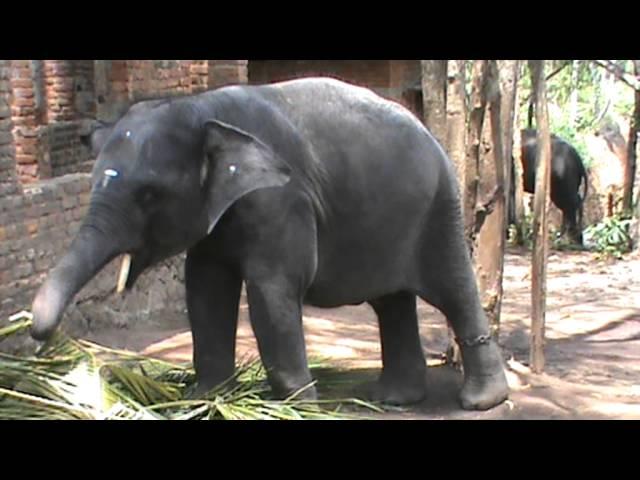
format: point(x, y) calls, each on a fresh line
point(540, 216)
point(456, 146)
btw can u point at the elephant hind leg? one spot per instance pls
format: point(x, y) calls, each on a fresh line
point(448, 283)
point(572, 223)
point(403, 378)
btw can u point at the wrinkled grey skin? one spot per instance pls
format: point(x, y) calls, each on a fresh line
point(311, 191)
point(567, 175)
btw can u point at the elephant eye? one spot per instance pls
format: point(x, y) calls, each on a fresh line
point(147, 196)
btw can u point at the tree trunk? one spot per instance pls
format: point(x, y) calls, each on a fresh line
point(437, 114)
point(517, 164)
point(456, 148)
point(477, 106)
point(508, 71)
point(456, 110)
point(490, 208)
point(540, 224)
point(630, 164)
point(434, 88)
point(573, 97)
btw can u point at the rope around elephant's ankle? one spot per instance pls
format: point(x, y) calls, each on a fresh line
point(474, 342)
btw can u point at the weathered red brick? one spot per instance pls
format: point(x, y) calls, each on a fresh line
point(21, 73)
point(22, 83)
point(28, 150)
point(23, 92)
point(24, 102)
point(119, 87)
point(25, 159)
point(30, 170)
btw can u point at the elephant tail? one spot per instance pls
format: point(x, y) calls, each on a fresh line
point(585, 178)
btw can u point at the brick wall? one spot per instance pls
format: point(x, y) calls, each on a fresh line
point(35, 228)
point(199, 73)
point(372, 73)
point(59, 82)
point(157, 78)
point(393, 79)
point(226, 72)
point(8, 174)
point(25, 116)
point(38, 226)
point(43, 195)
point(84, 98)
point(66, 154)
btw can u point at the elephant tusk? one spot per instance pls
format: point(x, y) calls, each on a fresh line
point(124, 272)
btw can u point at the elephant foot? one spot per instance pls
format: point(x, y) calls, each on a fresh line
point(485, 383)
point(202, 388)
point(484, 392)
point(308, 394)
point(397, 391)
point(296, 387)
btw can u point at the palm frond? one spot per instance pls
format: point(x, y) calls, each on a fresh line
point(69, 379)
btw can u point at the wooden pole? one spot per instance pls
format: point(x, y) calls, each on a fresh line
point(540, 222)
point(456, 146)
point(630, 164)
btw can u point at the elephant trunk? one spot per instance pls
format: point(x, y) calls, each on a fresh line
point(90, 251)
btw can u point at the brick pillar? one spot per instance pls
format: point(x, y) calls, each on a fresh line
point(404, 75)
point(25, 114)
point(405, 84)
point(119, 79)
point(84, 100)
point(9, 184)
point(59, 90)
point(227, 72)
point(111, 83)
point(183, 75)
point(199, 73)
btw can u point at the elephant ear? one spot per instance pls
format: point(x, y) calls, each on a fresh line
point(236, 163)
point(94, 135)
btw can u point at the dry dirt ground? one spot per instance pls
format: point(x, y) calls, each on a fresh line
point(592, 348)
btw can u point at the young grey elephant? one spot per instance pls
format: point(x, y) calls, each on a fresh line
point(312, 191)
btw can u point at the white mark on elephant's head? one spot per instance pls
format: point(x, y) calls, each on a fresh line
point(232, 169)
point(109, 173)
point(127, 133)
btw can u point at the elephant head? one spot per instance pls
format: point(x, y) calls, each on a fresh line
point(164, 175)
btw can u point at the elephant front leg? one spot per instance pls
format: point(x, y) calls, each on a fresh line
point(276, 317)
point(213, 295)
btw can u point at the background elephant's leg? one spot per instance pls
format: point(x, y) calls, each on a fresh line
point(575, 227)
point(579, 223)
point(565, 222)
point(276, 317)
point(403, 378)
point(449, 284)
point(213, 295)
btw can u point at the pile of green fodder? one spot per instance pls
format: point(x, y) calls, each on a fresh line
point(76, 379)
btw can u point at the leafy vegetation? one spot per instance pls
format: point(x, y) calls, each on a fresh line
point(581, 97)
point(69, 379)
point(522, 234)
point(611, 238)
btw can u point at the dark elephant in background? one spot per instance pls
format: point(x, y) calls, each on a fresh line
point(567, 175)
point(311, 191)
